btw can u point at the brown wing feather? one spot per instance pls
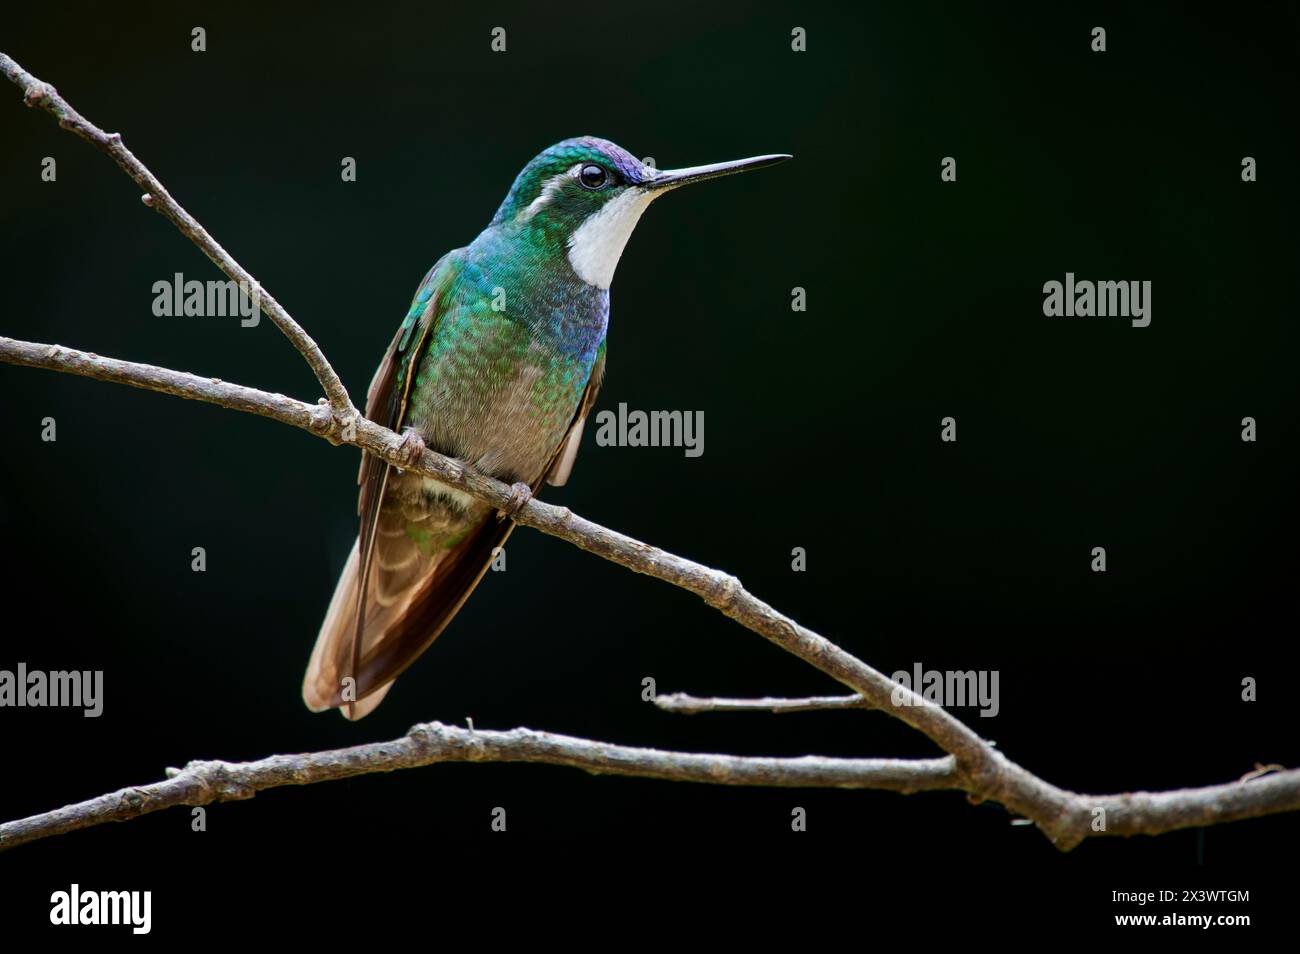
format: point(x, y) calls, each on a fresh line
point(338, 650)
point(381, 399)
point(557, 475)
point(457, 574)
point(391, 630)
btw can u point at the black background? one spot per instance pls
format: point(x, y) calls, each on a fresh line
point(822, 431)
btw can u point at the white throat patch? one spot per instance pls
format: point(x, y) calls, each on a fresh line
point(595, 247)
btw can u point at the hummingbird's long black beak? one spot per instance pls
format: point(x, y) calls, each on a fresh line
point(672, 178)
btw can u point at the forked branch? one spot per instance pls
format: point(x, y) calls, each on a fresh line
point(973, 765)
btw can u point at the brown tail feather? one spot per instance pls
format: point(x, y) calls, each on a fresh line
point(320, 686)
point(432, 606)
point(331, 658)
point(396, 632)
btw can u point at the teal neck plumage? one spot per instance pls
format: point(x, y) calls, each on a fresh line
point(538, 287)
point(525, 251)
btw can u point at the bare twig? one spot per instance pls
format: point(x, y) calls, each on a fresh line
point(42, 95)
point(975, 767)
point(1066, 818)
point(204, 782)
point(201, 783)
point(718, 589)
point(692, 705)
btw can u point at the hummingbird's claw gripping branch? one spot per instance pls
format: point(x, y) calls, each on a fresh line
point(520, 494)
point(411, 449)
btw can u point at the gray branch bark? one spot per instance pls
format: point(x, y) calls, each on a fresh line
point(974, 766)
point(202, 783)
point(684, 704)
point(42, 95)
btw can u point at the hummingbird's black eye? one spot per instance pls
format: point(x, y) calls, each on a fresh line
point(593, 176)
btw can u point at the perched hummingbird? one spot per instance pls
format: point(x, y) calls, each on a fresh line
point(497, 364)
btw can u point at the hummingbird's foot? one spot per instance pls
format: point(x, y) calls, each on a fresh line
point(520, 494)
point(412, 447)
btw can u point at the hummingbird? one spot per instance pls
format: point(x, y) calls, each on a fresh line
point(497, 364)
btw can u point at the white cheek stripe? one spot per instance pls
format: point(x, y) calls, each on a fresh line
point(551, 187)
point(597, 244)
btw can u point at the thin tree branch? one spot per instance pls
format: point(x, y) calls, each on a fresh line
point(206, 782)
point(42, 95)
point(720, 590)
point(202, 783)
point(977, 767)
point(685, 704)
point(1066, 818)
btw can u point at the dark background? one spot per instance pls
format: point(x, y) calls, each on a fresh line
point(822, 431)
